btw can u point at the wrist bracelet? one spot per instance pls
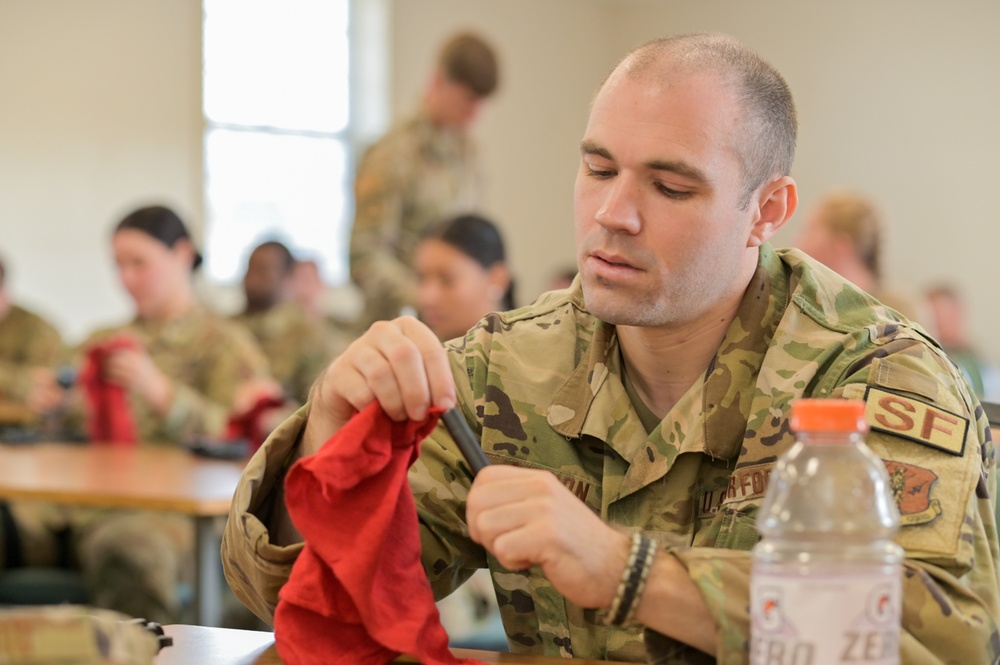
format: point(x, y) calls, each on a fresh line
point(640, 560)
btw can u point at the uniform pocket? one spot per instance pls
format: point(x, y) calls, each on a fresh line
point(738, 530)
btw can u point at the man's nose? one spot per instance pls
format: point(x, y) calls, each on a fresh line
point(619, 209)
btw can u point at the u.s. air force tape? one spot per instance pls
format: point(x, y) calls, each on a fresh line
point(923, 422)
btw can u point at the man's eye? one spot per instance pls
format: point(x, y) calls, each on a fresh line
point(599, 173)
point(673, 193)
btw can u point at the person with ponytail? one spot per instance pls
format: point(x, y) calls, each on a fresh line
point(462, 275)
point(166, 377)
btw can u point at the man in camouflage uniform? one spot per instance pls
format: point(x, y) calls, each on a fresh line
point(422, 171)
point(654, 396)
point(296, 349)
point(30, 349)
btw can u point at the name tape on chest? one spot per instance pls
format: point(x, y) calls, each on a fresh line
point(916, 420)
point(745, 484)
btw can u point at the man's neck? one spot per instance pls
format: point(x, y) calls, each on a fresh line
point(5, 306)
point(664, 363)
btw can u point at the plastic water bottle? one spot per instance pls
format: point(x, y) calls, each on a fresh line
point(826, 581)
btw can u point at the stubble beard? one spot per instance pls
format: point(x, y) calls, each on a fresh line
point(624, 307)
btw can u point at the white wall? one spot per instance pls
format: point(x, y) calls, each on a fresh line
point(100, 111)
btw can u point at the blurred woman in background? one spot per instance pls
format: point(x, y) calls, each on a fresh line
point(462, 275)
point(166, 377)
point(178, 362)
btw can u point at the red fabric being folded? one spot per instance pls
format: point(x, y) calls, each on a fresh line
point(109, 415)
point(250, 425)
point(358, 593)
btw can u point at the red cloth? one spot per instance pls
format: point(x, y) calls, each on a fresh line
point(358, 593)
point(250, 425)
point(109, 415)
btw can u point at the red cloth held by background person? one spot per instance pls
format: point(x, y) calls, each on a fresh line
point(250, 424)
point(358, 592)
point(109, 414)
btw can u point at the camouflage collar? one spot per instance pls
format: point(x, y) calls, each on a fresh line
point(593, 400)
point(175, 331)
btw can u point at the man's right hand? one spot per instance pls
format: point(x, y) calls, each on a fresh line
point(400, 364)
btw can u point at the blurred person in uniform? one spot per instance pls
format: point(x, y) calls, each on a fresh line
point(296, 348)
point(562, 278)
point(30, 351)
point(462, 275)
point(179, 370)
point(422, 171)
point(309, 292)
point(644, 408)
point(949, 320)
point(844, 232)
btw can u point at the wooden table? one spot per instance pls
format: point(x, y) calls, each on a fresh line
point(197, 645)
point(12, 413)
point(157, 478)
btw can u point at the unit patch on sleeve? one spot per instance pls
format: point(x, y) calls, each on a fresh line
point(913, 419)
point(911, 488)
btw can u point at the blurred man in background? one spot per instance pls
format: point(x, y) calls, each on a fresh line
point(949, 318)
point(296, 348)
point(422, 171)
point(844, 231)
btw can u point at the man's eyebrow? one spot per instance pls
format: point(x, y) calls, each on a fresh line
point(680, 168)
point(591, 148)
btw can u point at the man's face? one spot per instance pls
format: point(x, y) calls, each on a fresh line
point(661, 239)
point(455, 105)
point(266, 279)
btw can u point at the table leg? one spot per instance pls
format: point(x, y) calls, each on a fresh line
point(207, 573)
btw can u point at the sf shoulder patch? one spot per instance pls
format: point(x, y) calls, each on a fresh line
point(923, 422)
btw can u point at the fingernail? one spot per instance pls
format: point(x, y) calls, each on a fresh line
point(446, 403)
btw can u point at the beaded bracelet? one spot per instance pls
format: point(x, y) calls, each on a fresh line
point(633, 582)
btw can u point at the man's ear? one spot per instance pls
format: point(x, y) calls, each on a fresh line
point(775, 205)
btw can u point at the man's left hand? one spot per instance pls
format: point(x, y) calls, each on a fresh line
point(526, 517)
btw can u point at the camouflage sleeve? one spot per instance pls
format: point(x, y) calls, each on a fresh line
point(205, 409)
point(944, 489)
point(440, 481)
point(380, 192)
point(255, 567)
point(42, 348)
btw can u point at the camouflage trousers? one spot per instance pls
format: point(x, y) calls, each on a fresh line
point(132, 562)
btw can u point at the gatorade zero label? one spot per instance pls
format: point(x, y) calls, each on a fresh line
point(824, 620)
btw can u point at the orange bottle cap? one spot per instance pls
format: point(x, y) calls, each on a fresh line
point(828, 415)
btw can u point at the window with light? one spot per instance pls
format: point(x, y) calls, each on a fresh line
point(277, 105)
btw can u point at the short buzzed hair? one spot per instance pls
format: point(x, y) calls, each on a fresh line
point(769, 127)
point(469, 60)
